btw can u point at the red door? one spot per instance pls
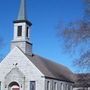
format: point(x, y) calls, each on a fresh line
point(15, 88)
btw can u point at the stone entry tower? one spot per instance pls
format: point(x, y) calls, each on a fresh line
point(22, 26)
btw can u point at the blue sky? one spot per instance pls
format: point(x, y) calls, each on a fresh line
point(45, 15)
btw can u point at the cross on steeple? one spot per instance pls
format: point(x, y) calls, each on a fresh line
point(22, 10)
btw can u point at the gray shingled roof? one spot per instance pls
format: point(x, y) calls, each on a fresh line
point(51, 69)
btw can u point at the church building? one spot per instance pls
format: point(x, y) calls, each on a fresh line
point(21, 69)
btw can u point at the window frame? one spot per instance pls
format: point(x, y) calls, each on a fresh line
point(27, 32)
point(55, 86)
point(48, 85)
point(60, 86)
point(31, 83)
point(19, 31)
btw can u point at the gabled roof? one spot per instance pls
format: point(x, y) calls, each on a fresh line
point(51, 69)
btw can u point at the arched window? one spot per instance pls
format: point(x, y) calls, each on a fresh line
point(66, 86)
point(13, 86)
point(61, 86)
point(48, 85)
point(55, 86)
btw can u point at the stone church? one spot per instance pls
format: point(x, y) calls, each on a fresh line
point(21, 69)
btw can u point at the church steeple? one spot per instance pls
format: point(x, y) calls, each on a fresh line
point(22, 11)
point(22, 30)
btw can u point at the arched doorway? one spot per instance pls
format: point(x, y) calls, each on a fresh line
point(13, 86)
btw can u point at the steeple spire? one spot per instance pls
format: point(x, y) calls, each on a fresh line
point(22, 10)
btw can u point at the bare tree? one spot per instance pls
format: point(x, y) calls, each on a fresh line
point(76, 37)
point(82, 80)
